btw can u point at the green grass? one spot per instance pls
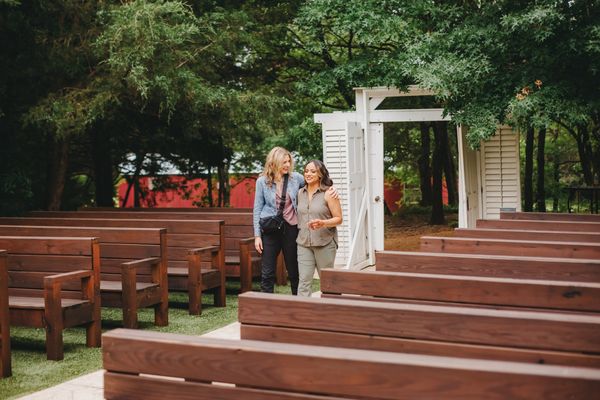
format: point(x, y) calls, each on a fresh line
point(32, 372)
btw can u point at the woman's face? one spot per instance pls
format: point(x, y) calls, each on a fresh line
point(311, 173)
point(285, 167)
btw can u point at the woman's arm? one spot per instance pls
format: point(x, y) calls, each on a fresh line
point(259, 203)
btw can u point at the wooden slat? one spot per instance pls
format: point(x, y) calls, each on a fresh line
point(559, 269)
point(548, 216)
point(104, 235)
point(509, 247)
point(173, 226)
point(573, 296)
point(519, 234)
point(339, 372)
point(415, 346)
point(229, 218)
point(563, 226)
point(536, 330)
point(44, 245)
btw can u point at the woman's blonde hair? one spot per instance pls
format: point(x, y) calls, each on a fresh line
point(275, 160)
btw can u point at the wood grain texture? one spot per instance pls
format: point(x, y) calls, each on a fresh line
point(548, 216)
point(559, 269)
point(346, 373)
point(520, 234)
point(572, 296)
point(527, 248)
point(566, 226)
point(523, 329)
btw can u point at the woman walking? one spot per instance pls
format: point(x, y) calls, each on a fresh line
point(318, 215)
point(275, 217)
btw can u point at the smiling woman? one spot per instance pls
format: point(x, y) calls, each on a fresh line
point(319, 212)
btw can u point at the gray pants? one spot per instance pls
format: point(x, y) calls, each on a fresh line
point(309, 258)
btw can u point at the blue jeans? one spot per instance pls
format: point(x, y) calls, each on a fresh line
point(285, 241)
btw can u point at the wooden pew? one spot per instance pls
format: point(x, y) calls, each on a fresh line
point(194, 251)
point(562, 226)
point(5, 360)
point(133, 266)
point(54, 283)
point(557, 269)
point(144, 364)
point(527, 248)
point(461, 290)
point(173, 209)
point(548, 216)
point(506, 335)
point(519, 234)
point(241, 259)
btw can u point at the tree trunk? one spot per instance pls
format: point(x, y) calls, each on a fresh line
point(541, 164)
point(449, 171)
point(528, 174)
point(437, 205)
point(582, 138)
point(209, 187)
point(555, 170)
point(103, 169)
point(57, 174)
point(134, 182)
point(424, 165)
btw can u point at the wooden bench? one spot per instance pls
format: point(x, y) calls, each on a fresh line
point(528, 248)
point(133, 266)
point(173, 209)
point(520, 234)
point(557, 269)
point(54, 284)
point(548, 216)
point(461, 290)
point(194, 251)
point(5, 360)
point(506, 335)
point(241, 259)
point(157, 366)
point(562, 226)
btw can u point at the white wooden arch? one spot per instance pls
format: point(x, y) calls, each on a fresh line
point(488, 178)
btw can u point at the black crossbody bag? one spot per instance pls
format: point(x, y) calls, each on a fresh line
point(270, 225)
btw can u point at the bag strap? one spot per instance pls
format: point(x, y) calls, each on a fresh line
point(283, 194)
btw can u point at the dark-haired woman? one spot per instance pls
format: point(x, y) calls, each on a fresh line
point(318, 215)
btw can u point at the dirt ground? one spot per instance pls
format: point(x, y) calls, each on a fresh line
point(403, 232)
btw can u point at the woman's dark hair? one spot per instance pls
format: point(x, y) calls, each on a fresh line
point(322, 170)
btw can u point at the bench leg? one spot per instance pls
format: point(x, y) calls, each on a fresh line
point(93, 334)
point(161, 314)
point(280, 273)
point(220, 296)
point(129, 298)
point(195, 298)
point(54, 323)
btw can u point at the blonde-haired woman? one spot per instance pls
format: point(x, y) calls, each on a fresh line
point(276, 217)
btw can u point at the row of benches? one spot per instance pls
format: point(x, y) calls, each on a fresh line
point(55, 281)
point(490, 324)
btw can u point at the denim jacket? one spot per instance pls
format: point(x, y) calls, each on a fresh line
point(264, 198)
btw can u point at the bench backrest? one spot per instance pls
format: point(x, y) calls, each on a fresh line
point(254, 370)
point(557, 269)
point(562, 226)
point(461, 290)
point(527, 248)
point(520, 234)
point(5, 358)
point(182, 235)
point(117, 245)
point(237, 225)
point(170, 209)
point(425, 329)
point(30, 259)
point(550, 216)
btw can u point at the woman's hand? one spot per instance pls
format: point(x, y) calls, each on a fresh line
point(333, 193)
point(258, 244)
point(316, 224)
